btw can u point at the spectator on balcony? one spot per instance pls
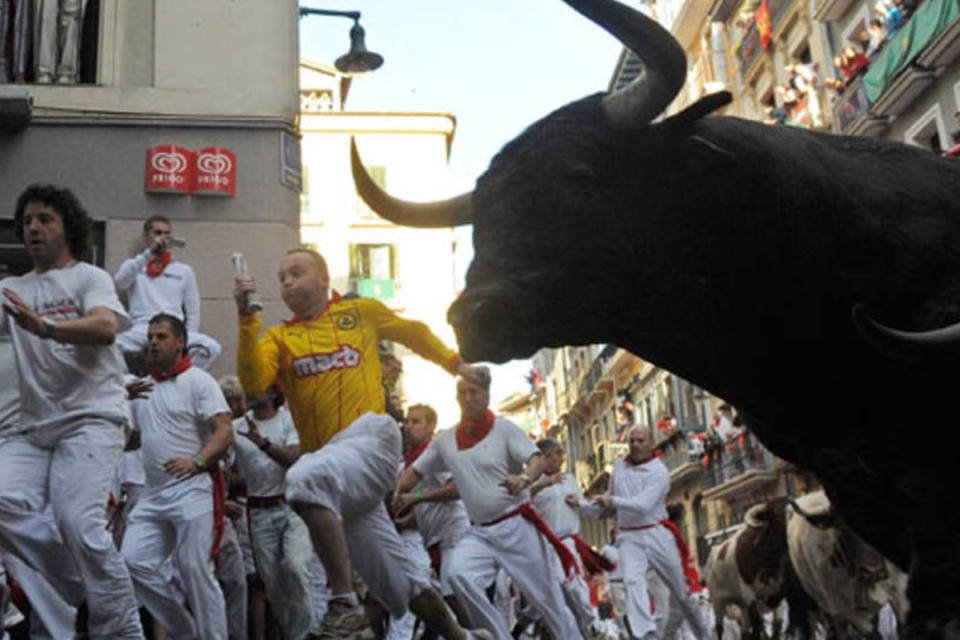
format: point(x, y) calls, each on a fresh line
point(852, 63)
point(667, 424)
point(723, 422)
point(805, 79)
point(891, 14)
point(877, 35)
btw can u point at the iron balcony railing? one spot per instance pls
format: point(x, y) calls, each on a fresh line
point(740, 454)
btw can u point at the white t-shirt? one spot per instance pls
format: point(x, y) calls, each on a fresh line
point(61, 384)
point(264, 475)
point(442, 523)
point(639, 492)
point(9, 388)
point(551, 503)
point(174, 421)
point(174, 291)
point(479, 471)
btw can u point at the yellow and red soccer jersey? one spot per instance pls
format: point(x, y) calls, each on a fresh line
point(329, 367)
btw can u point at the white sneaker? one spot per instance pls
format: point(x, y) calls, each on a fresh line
point(345, 622)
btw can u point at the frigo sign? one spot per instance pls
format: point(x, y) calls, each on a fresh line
point(210, 171)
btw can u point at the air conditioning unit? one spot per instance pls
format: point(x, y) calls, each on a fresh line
point(16, 106)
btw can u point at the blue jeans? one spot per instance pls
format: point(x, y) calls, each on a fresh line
point(282, 551)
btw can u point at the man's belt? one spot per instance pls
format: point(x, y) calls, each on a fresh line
point(265, 502)
point(530, 514)
point(686, 560)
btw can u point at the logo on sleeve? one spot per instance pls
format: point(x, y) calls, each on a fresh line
point(346, 357)
point(345, 321)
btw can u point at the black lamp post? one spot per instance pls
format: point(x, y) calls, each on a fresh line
point(358, 59)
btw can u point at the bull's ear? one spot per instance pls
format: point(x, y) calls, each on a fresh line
point(702, 107)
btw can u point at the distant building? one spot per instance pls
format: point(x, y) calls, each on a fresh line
point(409, 270)
point(176, 77)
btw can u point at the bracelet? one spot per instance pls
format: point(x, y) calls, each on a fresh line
point(266, 443)
point(200, 461)
point(49, 327)
point(526, 478)
point(418, 496)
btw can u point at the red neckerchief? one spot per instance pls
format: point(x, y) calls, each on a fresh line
point(182, 365)
point(471, 432)
point(334, 298)
point(413, 454)
point(631, 463)
point(157, 264)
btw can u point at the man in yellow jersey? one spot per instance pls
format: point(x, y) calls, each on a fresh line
point(326, 361)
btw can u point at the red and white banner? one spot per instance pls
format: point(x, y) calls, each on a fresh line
point(216, 172)
point(169, 169)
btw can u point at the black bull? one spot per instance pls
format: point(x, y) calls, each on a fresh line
point(762, 263)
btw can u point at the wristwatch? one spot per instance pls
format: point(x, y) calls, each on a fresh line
point(200, 461)
point(266, 443)
point(48, 328)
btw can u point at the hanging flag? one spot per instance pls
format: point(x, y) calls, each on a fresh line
point(762, 18)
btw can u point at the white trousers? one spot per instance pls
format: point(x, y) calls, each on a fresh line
point(349, 476)
point(54, 614)
point(231, 571)
point(656, 549)
point(576, 592)
point(177, 520)
point(203, 349)
point(517, 547)
point(69, 544)
point(402, 628)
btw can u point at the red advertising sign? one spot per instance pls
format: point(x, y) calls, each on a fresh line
point(170, 169)
point(216, 172)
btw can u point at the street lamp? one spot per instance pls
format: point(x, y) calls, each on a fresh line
point(358, 59)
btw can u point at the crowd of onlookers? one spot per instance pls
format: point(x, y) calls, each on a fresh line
point(797, 102)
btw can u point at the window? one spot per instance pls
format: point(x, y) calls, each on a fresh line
point(929, 131)
point(24, 32)
point(373, 270)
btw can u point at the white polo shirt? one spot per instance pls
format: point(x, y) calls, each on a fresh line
point(639, 492)
point(479, 471)
point(173, 421)
point(9, 389)
point(174, 291)
point(442, 523)
point(551, 503)
point(265, 477)
point(62, 384)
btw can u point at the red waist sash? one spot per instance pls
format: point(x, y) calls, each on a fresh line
point(530, 514)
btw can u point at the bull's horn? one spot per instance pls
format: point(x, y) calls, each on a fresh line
point(444, 213)
point(750, 517)
point(904, 343)
point(819, 520)
point(661, 56)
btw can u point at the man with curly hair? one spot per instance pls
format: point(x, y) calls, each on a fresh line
point(63, 317)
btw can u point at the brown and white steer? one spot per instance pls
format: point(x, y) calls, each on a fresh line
point(847, 578)
point(751, 569)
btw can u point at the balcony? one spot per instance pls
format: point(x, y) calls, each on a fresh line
point(852, 115)
point(929, 36)
point(741, 465)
